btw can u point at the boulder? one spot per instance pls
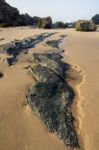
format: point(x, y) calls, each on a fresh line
point(45, 23)
point(85, 25)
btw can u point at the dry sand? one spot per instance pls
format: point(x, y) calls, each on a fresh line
point(82, 50)
point(19, 128)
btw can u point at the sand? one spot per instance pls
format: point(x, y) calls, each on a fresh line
point(82, 52)
point(19, 127)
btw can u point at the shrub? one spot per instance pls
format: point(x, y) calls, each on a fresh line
point(85, 25)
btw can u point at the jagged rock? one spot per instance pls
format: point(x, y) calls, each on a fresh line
point(51, 97)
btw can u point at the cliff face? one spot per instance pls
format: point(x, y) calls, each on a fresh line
point(8, 14)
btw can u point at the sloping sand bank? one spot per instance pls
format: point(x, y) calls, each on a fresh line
point(82, 50)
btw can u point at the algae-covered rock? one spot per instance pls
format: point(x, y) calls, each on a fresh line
point(45, 23)
point(50, 97)
point(49, 60)
point(85, 25)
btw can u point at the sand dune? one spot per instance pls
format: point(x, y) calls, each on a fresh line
point(19, 128)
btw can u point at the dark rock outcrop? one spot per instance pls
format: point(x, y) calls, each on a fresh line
point(26, 19)
point(8, 15)
point(51, 97)
point(16, 47)
point(54, 43)
point(95, 19)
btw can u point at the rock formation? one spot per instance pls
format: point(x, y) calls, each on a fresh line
point(16, 47)
point(54, 43)
point(85, 25)
point(45, 23)
point(95, 19)
point(51, 97)
point(8, 15)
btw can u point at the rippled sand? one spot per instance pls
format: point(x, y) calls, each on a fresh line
point(19, 128)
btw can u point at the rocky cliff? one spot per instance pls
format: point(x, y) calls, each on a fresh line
point(8, 14)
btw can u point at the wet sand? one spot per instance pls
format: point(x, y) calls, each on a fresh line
point(19, 128)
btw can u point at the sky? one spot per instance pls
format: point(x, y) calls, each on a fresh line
point(64, 10)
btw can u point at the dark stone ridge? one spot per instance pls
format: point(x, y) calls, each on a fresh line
point(51, 97)
point(16, 47)
point(51, 61)
point(54, 43)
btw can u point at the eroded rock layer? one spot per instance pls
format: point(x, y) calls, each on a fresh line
point(51, 97)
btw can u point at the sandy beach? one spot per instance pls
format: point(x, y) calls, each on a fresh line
point(20, 129)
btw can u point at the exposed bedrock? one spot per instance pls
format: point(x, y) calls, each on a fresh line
point(50, 97)
point(17, 47)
